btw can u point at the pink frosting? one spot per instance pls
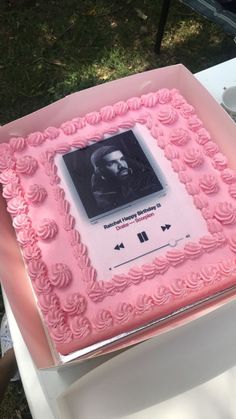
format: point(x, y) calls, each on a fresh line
point(136, 275)
point(37, 268)
point(104, 320)
point(9, 176)
point(162, 264)
point(208, 243)
point(207, 213)
point(26, 165)
point(171, 152)
point(208, 183)
point(36, 194)
point(79, 122)
point(61, 275)
point(194, 123)
point(12, 190)
point(193, 157)
point(17, 206)
point(134, 103)
point(59, 193)
point(187, 110)
point(175, 256)
point(121, 108)
point(35, 139)
point(227, 267)
point(167, 115)
point(17, 143)
point(220, 237)
point(47, 156)
point(149, 271)
point(74, 237)
point(63, 207)
point(62, 148)
point(192, 280)
point(107, 113)
point(178, 101)
point(26, 237)
point(21, 222)
point(203, 136)
point(74, 304)
point(61, 333)
point(178, 165)
point(69, 222)
point(179, 136)
point(210, 148)
point(48, 301)
point(232, 190)
point(232, 242)
point(93, 118)
point(228, 176)
point(55, 317)
point(144, 303)
point(225, 213)
point(42, 285)
point(149, 100)
point(192, 188)
point(80, 327)
point(51, 133)
point(219, 161)
point(31, 252)
point(120, 283)
point(5, 148)
point(184, 177)
point(164, 96)
point(47, 229)
point(7, 161)
point(161, 296)
point(69, 127)
point(214, 226)
point(200, 201)
point(124, 312)
point(210, 274)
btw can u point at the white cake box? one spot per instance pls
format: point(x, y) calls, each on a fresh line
point(12, 270)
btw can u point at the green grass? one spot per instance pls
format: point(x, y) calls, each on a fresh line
point(52, 48)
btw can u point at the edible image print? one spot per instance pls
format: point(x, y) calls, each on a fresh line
point(111, 174)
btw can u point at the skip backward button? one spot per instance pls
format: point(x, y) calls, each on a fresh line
point(119, 246)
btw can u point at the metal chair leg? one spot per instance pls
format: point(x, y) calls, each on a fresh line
point(161, 25)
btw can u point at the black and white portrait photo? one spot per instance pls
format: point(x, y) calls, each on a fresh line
point(111, 174)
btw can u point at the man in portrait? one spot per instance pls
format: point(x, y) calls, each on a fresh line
point(117, 180)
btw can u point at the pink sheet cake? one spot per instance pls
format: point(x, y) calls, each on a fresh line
point(123, 216)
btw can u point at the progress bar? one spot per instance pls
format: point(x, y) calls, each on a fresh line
point(144, 254)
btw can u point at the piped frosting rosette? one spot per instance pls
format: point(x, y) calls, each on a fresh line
point(124, 312)
point(167, 115)
point(225, 213)
point(193, 157)
point(61, 275)
point(35, 139)
point(74, 304)
point(26, 165)
point(17, 143)
point(179, 136)
point(47, 229)
point(36, 194)
point(208, 183)
point(80, 326)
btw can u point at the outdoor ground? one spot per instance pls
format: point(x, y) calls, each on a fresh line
point(52, 48)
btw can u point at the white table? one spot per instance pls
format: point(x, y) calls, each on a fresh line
point(206, 390)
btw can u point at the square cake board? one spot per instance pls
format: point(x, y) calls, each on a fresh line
point(12, 270)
